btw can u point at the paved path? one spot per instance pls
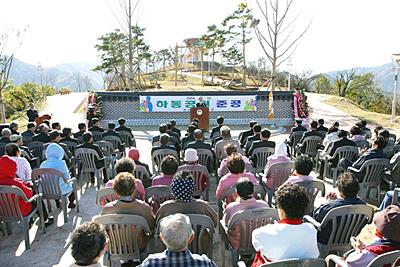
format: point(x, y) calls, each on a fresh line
point(329, 113)
point(63, 107)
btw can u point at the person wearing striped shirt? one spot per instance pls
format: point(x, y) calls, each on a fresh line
point(24, 169)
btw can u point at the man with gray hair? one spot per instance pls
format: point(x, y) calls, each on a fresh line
point(43, 135)
point(176, 233)
point(5, 136)
point(226, 138)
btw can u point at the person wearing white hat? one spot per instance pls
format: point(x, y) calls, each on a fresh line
point(191, 159)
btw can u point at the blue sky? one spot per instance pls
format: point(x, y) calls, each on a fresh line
point(343, 34)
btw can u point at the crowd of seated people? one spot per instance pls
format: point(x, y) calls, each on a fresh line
point(270, 241)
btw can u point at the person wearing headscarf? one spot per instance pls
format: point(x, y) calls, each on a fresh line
point(54, 160)
point(135, 155)
point(191, 161)
point(182, 187)
point(278, 157)
point(387, 224)
point(8, 172)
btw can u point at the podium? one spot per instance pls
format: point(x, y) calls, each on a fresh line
point(203, 115)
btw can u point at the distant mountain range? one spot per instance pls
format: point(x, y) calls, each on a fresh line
point(76, 76)
point(383, 75)
point(80, 77)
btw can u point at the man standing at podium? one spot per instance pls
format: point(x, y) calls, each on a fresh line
point(200, 104)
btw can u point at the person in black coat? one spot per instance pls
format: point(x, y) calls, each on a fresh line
point(243, 135)
point(171, 133)
point(55, 137)
point(164, 139)
point(32, 113)
point(348, 188)
point(321, 127)
point(43, 135)
point(111, 132)
point(215, 130)
point(123, 128)
point(299, 127)
point(100, 163)
point(67, 136)
point(312, 132)
point(189, 138)
point(201, 103)
point(376, 152)
point(30, 131)
point(163, 128)
point(199, 141)
point(82, 130)
point(333, 146)
point(255, 137)
point(96, 126)
point(174, 128)
point(264, 142)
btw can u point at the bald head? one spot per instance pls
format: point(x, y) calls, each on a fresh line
point(198, 134)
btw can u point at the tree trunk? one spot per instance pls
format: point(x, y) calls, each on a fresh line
point(212, 65)
point(2, 109)
point(244, 57)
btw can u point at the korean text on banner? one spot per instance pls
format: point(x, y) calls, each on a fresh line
point(185, 103)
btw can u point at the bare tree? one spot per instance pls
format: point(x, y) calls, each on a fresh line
point(344, 81)
point(276, 37)
point(9, 42)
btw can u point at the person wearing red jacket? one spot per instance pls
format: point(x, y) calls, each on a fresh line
point(8, 170)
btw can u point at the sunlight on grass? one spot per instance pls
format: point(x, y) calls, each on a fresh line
point(373, 118)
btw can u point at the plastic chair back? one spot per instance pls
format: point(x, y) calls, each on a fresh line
point(97, 136)
point(156, 195)
point(200, 224)
point(9, 205)
point(311, 144)
point(159, 155)
point(313, 188)
point(206, 158)
point(198, 172)
point(126, 137)
point(49, 180)
point(261, 155)
point(297, 263)
point(143, 175)
point(374, 171)
point(396, 195)
point(385, 259)
point(37, 149)
point(248, 221)
point(114, 140)
point(71, 145)
point(105, 195)
point(346, 221)
point(87, 157)
point(123, 230)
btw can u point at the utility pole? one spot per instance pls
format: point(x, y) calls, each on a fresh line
point(202, 65)
point(176, 65)
point(244, 56)
point(130, 63)
point(396, 61)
